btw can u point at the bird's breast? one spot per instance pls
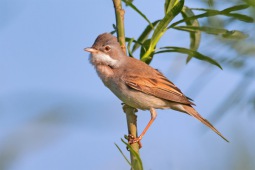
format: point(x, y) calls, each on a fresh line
point(105, 73)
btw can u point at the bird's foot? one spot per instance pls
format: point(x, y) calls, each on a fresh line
point(132, 140)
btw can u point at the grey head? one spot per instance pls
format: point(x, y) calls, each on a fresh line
point(106, 50)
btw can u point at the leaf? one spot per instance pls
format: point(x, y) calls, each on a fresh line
point(190, 52)
point(123, 155)
point(208, 30)
point(235, 8)
point(144, 35)
point(115, 29)
point(138, 165)
point(234, 35)
point(162, 27)
point(250, 2)
point(128, 47)
point(138, 11)
point(127, 39)
point(207, 10)
point(169, 5)
point(240, 17)
point(195, 37)
point(146, 45)
point(211, 12)
point(206, 14)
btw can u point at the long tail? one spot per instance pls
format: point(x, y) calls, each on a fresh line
point(190, 110)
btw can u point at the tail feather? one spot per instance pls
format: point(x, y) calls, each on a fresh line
point(190, 110)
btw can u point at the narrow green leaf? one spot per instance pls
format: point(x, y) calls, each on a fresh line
point(250, 2)
point(240, 17)
point(206, 14)
point(112, 32)
point(128, 47)
point(208, 30)
point(114, 29)
point(123, 155)
point(127, 39)
point(184, 28)
point(138, 164)
point(162, 27)
point(227, 10)
point(138, 11)
point(146, 46)
point(195, 37)
point(189, 52)
point(234, 35)
point(169, 5)
point(210, 12)
point(144, 35)
point(235, 8)
point(206, 10)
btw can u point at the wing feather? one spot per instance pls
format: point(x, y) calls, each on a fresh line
point(159, 87)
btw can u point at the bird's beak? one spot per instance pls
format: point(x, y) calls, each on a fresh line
point(90, 49)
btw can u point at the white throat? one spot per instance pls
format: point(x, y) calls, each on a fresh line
point(102, 58)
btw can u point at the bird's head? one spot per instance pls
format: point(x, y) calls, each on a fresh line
point(106, 50)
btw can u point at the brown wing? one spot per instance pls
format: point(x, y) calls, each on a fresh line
point(158, 86)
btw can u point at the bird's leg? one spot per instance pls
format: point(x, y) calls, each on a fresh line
point(131, 138)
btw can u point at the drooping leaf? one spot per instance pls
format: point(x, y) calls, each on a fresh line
point(235, 8)
point(128, 3)
point(144, 35)
point(206, 14)
point(212, 12)
point(195, 36)
point(208, 30)
point(227, 10)
point(234, 34)
point(240, 17)
point(195, 54)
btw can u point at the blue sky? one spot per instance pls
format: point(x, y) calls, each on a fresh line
point(55, 112)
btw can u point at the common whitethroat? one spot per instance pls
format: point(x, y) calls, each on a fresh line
point(137, 84)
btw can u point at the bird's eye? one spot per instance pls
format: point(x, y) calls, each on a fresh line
point(107, 48)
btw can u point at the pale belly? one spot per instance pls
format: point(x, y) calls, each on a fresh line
point(141, 100)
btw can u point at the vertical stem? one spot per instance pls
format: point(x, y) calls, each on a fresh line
point(132, 129)
point(130, 112)
point(119, 14)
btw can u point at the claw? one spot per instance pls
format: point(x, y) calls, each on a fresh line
point(132, 140)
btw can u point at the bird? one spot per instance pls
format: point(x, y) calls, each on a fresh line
point(137, 84)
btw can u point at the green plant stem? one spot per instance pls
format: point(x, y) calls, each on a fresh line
point(130, 112)
point(119, 14)
point(132, 128)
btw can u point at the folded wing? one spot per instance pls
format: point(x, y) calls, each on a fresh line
point(158, 86)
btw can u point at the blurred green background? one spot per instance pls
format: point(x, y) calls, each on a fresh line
point(55, 112)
